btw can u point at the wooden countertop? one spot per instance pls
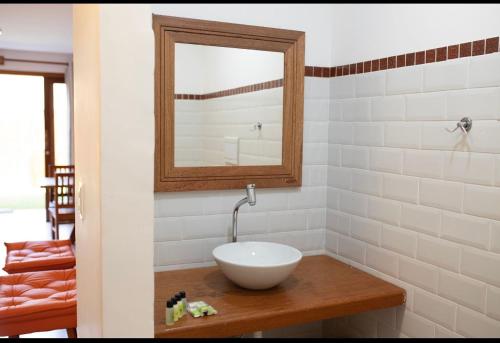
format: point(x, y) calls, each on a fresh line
point(319, 288)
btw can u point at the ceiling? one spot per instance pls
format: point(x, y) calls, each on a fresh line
point(36, 27)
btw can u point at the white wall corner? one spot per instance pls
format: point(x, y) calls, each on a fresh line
point(114, 149)
point(127, 198)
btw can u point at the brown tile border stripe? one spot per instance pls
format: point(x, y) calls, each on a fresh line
point(475, 48)
point(232, 91)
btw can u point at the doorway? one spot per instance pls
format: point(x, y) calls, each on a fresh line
point(35, 131)
point(30, 139)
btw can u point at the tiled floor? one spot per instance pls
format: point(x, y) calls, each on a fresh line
point(28, 225)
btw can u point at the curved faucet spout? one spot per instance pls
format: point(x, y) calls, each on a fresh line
point(235, 217)
point(251, 199)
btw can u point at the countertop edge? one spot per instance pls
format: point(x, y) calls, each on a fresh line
point(283, 318)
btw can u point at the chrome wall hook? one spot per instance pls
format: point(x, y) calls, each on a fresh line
point(465, 124)
point(257, 126)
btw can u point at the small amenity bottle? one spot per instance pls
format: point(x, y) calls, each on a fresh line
point(175, 307)
point(180, 313)
point(184, 302)
point(169, 313)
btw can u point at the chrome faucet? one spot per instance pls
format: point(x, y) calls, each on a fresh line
point(250, 199)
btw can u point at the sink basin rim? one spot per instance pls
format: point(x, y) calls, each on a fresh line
point(295, 260)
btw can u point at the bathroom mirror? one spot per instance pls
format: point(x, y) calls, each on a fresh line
point(228, 105)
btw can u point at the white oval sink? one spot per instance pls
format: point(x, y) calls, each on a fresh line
point(256, 265)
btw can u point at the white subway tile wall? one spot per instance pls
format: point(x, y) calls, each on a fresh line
point(189, 225)
point(385, 189)
point(405, 80)
point(424, 211)
point(202, 125)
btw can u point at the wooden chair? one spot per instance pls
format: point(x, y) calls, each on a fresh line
point(62, 169)
point(49, 192)
point(63, 211)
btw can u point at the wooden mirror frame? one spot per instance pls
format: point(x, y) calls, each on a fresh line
point(170, 30)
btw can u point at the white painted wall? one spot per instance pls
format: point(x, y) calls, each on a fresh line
point(87, 152)
point(201, 69)
point(368, 31)
point(127, 121)
point(241, 67)
point(36, 27)
point(338, 34)
point(190, 72)
point(114, 158)
point(314, 19)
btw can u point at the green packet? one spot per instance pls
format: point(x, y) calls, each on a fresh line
point(200, 309)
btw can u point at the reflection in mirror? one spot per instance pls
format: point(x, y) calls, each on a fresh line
point(228, 106)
